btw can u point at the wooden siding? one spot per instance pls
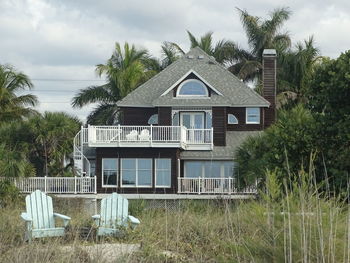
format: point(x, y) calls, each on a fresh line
point(164, 116)
point(269, 90)
point(219, 124)
point(137, 116)
point(240, 113)
point(172, 154)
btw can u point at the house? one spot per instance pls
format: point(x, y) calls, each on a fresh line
point(179, 130)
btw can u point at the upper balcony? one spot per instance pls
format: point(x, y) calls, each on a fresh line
point(148, 136)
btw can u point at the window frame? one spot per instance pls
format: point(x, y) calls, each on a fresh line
point(137, 173)
point(117, 175)
point(156, 170)
point(246, 115)
point(192, 95)
point(202, 168)
point(228, 119)
point(152, 116)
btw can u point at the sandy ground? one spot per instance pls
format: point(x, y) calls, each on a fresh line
point(105, 252)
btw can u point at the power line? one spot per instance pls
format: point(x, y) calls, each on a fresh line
point(69, 80)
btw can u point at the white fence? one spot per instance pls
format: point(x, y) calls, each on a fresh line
point(212, 186)
point(56, 185)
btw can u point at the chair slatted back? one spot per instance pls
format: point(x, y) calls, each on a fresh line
point(40, 209)
point(114, 211)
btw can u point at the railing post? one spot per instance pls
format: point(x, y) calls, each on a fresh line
point(119, 133)
point(151, 135)
point(229, 185)
point(95, 185)
point(199, 185)
point(212, 137)
point(45, 184)
point(75, 185)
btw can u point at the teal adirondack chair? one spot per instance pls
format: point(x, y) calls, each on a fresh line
point(114, 216)
point(40, 218)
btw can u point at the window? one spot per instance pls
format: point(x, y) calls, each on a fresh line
point(109, 172)
point(253, 115)
point(231, 119)
point(153, 119)
point(209, 169)
point(192, 87)
point(163, 172)
point(136, 172)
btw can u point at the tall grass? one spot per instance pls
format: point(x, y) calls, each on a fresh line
point(290, 222)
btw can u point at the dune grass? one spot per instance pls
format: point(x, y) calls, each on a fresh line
point(296, 225)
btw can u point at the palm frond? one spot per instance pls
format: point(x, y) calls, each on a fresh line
point(92, 94)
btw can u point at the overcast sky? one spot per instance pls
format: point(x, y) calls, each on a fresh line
point(59, 42)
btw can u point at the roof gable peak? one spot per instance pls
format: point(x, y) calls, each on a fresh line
point(184, 76)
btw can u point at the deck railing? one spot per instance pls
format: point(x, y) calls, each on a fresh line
point(122, 135)
point(55, 185)
point(212, 186)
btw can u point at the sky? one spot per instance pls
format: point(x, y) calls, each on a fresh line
point(58, 43)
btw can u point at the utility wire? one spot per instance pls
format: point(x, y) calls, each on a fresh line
point(69, 80)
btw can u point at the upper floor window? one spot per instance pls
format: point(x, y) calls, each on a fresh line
point(231, 119)
point(192, 87)
point(153, 119)
point(253, 115)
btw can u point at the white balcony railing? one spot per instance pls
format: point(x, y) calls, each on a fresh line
point(149, 136)
point(55, 185)
point(211, 186)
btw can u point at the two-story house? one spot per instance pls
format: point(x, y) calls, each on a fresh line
point(179, 130)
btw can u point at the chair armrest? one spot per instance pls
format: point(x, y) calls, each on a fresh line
point(96, 218)
point(66, 219)
point(133, 221)
point(26, 217)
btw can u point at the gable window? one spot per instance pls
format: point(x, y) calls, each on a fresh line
point(231, 119)
point(192, 87)
point(253, 115)
point(153, 119)
point(109, 172)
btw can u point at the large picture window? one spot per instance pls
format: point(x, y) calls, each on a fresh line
point(109, 172)
point(136, 172)
point(253, 115)
point(163, 172)
point(209, 169)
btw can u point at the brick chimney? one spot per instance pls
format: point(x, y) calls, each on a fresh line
point(269, 85)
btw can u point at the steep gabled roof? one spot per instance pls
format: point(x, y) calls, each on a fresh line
point(234, 92)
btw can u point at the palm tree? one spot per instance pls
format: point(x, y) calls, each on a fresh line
point(52, 135)
point(295, 70)
point(125, 70)
point(14, 107)
point(221, 51)
point(261, 34)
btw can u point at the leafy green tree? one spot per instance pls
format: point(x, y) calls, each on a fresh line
point(221, 51)
point(328, 98)
point(261, 34)
point(287, 146)
point(125, 70)
point(14, 107)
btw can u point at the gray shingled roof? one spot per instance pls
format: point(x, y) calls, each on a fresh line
point(235, 92)
point(233, 140)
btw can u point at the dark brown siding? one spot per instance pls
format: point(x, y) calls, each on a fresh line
point(137, 116)
point(219, 124)
point(164, 116)
point(269, 90)
point(173, 154)
point(240, 114)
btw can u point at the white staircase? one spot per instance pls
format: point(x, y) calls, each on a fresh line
point(81, 163)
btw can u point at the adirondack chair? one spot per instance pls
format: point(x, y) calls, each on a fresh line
point(40, 218)
point(114, 216)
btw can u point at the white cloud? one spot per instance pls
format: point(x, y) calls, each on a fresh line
point(64, 39)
